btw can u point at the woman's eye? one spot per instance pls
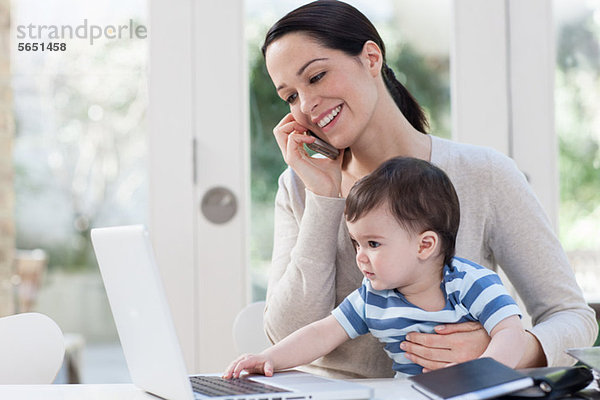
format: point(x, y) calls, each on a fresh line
point(317, 77)
point(291, 98)
point(373, 244)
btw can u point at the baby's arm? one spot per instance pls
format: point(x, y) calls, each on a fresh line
point(508, 343)
point(301, 347)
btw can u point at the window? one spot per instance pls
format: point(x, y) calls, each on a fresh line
point(80, 153)
point(578, 129)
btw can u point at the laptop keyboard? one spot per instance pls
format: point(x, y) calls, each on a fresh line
point(214, 386)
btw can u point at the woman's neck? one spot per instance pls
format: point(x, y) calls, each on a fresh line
point(388, 134)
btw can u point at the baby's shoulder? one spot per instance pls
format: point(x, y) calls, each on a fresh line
point(465, 271)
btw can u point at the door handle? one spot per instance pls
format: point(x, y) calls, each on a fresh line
point(219, 205)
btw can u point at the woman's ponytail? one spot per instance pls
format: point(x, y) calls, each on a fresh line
point(404, 100)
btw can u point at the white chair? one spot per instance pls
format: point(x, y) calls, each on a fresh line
point(248, 332)
point(31, 349)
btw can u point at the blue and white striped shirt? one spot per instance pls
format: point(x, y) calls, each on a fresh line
point(473, 293)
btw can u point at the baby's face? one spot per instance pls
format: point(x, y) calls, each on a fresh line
point(386, 253)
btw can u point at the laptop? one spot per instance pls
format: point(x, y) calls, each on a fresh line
point(154, 358)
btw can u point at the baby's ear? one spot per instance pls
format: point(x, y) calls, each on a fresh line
point(428, 245)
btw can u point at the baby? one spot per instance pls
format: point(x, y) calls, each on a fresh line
point(403, 220)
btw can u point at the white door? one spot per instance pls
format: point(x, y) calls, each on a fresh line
point(198, 142)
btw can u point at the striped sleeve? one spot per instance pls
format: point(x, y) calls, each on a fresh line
point(486, 298)
point(351, 313)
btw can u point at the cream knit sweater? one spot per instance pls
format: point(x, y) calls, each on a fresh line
point(502, 224)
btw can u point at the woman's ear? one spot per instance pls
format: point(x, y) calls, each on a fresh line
point(428, 243)
point(373, 57)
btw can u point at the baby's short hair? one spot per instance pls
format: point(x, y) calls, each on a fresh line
point(417, 193)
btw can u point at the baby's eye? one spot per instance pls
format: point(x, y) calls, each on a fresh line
point(317, 77)
point(355, 244)
point(373, 244)
point(291, 98)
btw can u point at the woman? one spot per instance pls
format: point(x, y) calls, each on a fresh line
point(328, 62)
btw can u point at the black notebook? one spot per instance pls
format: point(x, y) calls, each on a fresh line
point(482, 378)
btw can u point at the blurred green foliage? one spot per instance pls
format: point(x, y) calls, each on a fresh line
point(428, 80)
point(578, 128)
point(266, 110)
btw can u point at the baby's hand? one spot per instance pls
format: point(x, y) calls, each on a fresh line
point(251, 363)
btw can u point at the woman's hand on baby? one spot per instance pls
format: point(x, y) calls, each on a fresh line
point(251, 363)
point(321, 176)
point(452, 343)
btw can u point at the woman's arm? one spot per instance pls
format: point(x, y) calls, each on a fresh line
point(455, 343)
point(525, 246)
point(301, 347)
point(302, 285)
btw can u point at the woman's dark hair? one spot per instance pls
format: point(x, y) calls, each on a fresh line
point(337, 25)
point(417, 193)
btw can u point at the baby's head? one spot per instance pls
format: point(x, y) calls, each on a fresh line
point(418, 194)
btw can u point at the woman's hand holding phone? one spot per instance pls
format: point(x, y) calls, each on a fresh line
point(322, 176)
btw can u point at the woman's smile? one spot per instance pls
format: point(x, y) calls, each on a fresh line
point(325, 120)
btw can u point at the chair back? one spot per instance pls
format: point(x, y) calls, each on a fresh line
point(32, 348)
point(248, 332)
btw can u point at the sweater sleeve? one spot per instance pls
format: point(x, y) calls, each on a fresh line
point(524, 245)
point(302, 277)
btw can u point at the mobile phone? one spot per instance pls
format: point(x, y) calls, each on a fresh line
point(322, 147)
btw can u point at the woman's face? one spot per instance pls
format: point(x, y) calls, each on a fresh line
point(329, 92)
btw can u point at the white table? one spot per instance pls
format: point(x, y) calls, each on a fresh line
point(397, 389)
point(385, 389)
